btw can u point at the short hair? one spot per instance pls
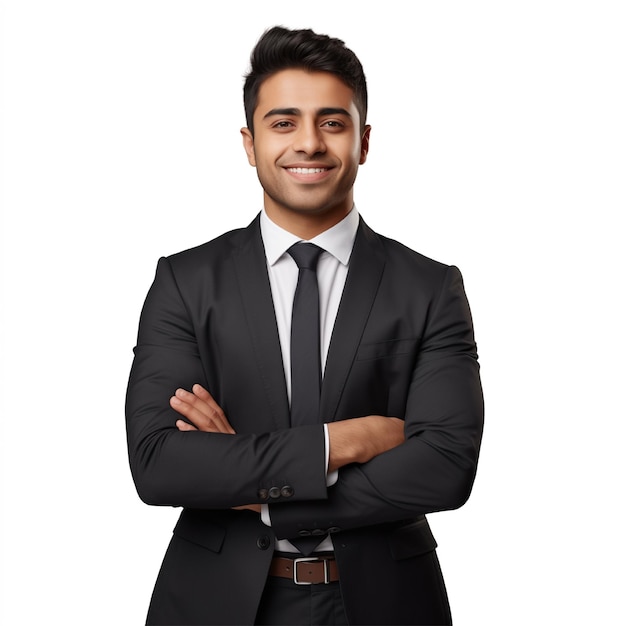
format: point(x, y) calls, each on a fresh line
point(280, 49)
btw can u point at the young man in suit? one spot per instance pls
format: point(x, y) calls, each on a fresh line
point(304, 469)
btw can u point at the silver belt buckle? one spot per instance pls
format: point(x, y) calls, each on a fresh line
point(308, 560)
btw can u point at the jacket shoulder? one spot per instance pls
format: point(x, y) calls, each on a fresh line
point(214, 254)
point(214, 249)
point(399, 258)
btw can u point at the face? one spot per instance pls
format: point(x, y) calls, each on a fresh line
point(307, 148)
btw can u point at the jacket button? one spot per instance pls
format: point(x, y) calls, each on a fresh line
point(274, 492)
point(287, 491)
point(263, 494)
point(263, 542)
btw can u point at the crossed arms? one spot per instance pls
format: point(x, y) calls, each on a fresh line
point(390, 469)
point(356, 440)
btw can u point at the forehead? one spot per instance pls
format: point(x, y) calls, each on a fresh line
point(304, 90)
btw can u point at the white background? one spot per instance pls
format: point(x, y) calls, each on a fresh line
point(498, 145)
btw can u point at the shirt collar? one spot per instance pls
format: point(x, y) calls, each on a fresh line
point(337, 240)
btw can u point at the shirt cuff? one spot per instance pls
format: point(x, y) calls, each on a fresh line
point(265, 515)
point(331, 477)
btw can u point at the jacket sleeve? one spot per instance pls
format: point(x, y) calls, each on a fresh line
point(197, 469)
point(434, 468)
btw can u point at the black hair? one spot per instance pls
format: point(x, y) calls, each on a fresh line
point(280, 49)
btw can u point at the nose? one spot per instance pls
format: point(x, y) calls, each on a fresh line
point(309, 139)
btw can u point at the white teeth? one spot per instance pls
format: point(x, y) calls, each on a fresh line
point(306, 170)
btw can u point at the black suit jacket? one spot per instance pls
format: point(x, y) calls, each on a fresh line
point(402, 346)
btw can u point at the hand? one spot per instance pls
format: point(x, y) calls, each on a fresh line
point(201, 410)
point(206, 415)
point(360, 439)
point(249, 507)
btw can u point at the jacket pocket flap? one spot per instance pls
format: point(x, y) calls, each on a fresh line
point(412, 540)
point(384, 349)
point(198, 530)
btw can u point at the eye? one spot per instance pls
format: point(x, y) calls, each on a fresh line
point(282, 125)
point(333, 124)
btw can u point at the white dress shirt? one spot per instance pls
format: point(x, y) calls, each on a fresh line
point(332, 269)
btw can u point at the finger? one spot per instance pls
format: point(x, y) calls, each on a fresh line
point(211, 408)
point(248, 507)
point(200, 392)
point(198, 419)
point(184, 426)
point(197, 411)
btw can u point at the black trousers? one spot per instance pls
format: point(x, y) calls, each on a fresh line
point(285, 603)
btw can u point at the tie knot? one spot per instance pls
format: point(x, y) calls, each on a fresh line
point(306, 255)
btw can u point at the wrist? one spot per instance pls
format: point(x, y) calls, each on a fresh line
point(345, 446)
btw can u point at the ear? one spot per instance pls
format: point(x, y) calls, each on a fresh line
point(365, 144)
point(248, 145)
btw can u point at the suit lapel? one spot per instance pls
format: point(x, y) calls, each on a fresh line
point(254, 289)
point(364, 274)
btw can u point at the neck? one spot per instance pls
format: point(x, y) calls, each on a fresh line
point(306, 225)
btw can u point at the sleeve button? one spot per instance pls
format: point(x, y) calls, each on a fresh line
point(274, 492)
point(287, 491)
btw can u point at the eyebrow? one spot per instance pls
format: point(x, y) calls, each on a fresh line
point(319, 112)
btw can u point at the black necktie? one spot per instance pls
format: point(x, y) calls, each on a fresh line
point(305, 337)
point(305, 352)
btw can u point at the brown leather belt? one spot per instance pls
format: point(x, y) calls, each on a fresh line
point(306, 570)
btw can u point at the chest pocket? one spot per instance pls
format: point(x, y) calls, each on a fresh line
point(385, 349)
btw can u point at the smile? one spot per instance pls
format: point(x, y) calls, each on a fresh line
point(307, 170)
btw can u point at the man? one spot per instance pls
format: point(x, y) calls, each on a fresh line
point(300, 506)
